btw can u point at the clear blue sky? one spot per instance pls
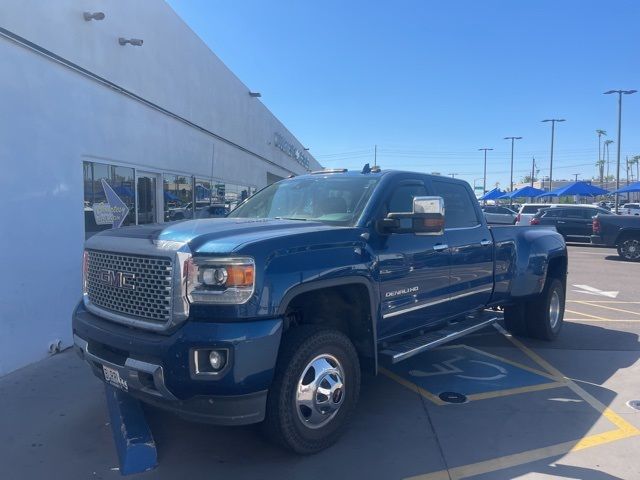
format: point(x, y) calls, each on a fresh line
point(430, 82)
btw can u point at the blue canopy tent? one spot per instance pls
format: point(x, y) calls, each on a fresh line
point(633, 187)
point(492, 194)
point(523, 192)
point(170, 197)
point(576, 188)
point(124, 191)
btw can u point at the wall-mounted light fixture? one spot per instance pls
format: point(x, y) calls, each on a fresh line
point(136, 42)
point(88, 16)
point(255, 94)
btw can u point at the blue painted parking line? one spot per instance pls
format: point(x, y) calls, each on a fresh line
point(457, 373)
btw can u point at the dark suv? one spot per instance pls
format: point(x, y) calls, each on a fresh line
point(572, 222)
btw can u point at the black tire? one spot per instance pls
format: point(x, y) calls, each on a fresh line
point(544, 316)
point(514, 319)
point(285, 419)
point(629, 248)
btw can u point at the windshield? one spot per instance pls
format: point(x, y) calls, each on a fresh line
point(334, 200)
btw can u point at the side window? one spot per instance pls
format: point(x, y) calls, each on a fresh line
point(402, 198)
point(574, 213)
point(458, 207)
point(491, 210)
point(553, 213)
point(502, 210)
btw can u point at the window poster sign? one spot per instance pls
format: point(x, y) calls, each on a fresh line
point(113, 212)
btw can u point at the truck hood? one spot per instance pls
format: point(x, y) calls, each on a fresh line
point(217, 235)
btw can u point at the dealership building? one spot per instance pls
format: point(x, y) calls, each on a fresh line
point(113, 113)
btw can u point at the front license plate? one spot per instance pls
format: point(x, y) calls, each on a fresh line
point(112, 377)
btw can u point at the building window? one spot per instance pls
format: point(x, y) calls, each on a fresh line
point(178, 197)
point(109, 197)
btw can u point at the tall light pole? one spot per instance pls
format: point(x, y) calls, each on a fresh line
point(513, 139)
point(601, 155)
point(484, 176)
point(620, 93)
point(553, 129)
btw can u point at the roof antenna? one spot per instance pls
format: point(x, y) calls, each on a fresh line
point(366, 168)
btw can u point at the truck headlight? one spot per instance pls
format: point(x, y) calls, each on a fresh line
point(220, 280)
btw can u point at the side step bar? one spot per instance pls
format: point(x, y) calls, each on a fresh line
point(398, 351)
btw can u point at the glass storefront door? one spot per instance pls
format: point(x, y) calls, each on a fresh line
point(148, 202)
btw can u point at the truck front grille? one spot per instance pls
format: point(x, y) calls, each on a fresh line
point(145, 294)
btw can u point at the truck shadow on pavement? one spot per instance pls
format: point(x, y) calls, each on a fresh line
point(397, 433)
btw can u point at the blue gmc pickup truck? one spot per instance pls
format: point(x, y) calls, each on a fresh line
point(271, 314)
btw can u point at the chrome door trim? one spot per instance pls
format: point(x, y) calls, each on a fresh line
point(429, 304)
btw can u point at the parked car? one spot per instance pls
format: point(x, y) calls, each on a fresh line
point(620, 231)
point(630, 209)
point(527, 211)
point(268, 315)
point(499, 215)
point(572, 222)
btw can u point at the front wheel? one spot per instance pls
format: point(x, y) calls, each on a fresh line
point(629, 249)
point(314, 391)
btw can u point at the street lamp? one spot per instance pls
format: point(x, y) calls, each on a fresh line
point(553, 128)
point(620, 93)
point(600, 155)
point(513, 139)
point(484, 181)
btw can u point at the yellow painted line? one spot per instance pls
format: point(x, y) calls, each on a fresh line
point(624, 430)
point(412, 386)
point(587, 397)
point(515, 391)
point(587, 320)
point(510, 362)
point(610, 308)
point(602, 301)
point(517, 459)
point(585, 314)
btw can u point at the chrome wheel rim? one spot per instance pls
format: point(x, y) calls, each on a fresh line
point(554, 310)
point(320, 391)
point(631, 249)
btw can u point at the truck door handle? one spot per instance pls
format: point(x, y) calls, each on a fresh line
point(560, 221)
point(440, 247)
point(485, 243)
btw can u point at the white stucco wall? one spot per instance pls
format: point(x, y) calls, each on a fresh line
point(53, 118)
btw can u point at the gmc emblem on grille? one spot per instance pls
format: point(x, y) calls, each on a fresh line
point(117, 279)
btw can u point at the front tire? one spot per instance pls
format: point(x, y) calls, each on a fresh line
point(315, 389)
point(629, 249)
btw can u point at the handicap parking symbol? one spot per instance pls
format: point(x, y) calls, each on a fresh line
point(469, 373)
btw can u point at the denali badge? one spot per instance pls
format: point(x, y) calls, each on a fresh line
point(404, 291)
point(117, 279)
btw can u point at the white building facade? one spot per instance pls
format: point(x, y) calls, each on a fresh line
point(96, 131)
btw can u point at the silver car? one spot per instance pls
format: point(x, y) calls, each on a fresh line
point(499, 215)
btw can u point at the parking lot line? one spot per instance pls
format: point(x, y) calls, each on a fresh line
point(585, 314)
point(595, 320)
point(623, 430)
point(594, 304)
point(603, 301)
point(514, 391)
point(412, 386)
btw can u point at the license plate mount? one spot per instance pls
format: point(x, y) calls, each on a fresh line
point(112, 377)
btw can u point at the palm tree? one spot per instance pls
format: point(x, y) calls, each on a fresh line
point(600, 163)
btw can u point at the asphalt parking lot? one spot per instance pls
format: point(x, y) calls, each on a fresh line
point(532, 409)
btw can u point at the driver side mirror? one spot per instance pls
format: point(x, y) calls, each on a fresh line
point(427, 218)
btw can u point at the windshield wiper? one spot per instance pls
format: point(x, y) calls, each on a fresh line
point(290, 218)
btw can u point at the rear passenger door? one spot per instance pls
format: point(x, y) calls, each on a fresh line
point(471, 246)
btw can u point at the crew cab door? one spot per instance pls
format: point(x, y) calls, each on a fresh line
point(471, 247)
point(412, 269)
